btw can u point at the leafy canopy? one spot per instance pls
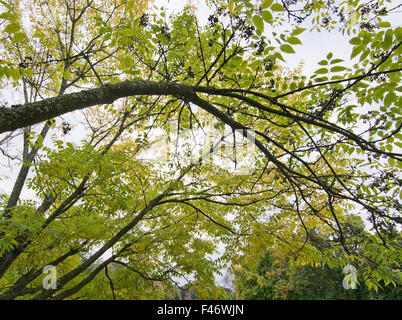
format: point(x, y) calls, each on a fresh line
point(116, 222)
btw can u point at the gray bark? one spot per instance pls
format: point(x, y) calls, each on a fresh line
point(19, 116)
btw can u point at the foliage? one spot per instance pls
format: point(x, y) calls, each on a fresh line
point(119, 224)
point(278, 280)
point(278, 276)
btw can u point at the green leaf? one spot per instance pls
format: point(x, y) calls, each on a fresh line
point(18, 37)
point(388, 38)
point(231, 5)
point(7, 16)
point(321, 71)
point(258, 22)
point(128, 32)
point(287, 48)
point(15, 73)
point(355, 40)
point(365, 54)
point(39, 141)
point(383, 24)
point(356, 50)
point(29, 72)
point(266, 3)
point(398, 33)
point(67, 75)
point(277, 7)
point(294, 40)
point(321, 79)
point(338, 69)
point(323, 62)
point(390, 98)
point(7, 5)
point(297, 31)
point(12, 28)
point(330, 55)
point(336, 61)
point(267, 16)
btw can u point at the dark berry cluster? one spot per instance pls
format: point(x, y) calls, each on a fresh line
point(25, 63)
point(66, 127)
point(261, 46)
point(144, 20)
point(213, 20)
point(165, 31)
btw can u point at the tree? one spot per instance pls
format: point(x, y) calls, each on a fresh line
point(319, 157)
point(278, 276)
